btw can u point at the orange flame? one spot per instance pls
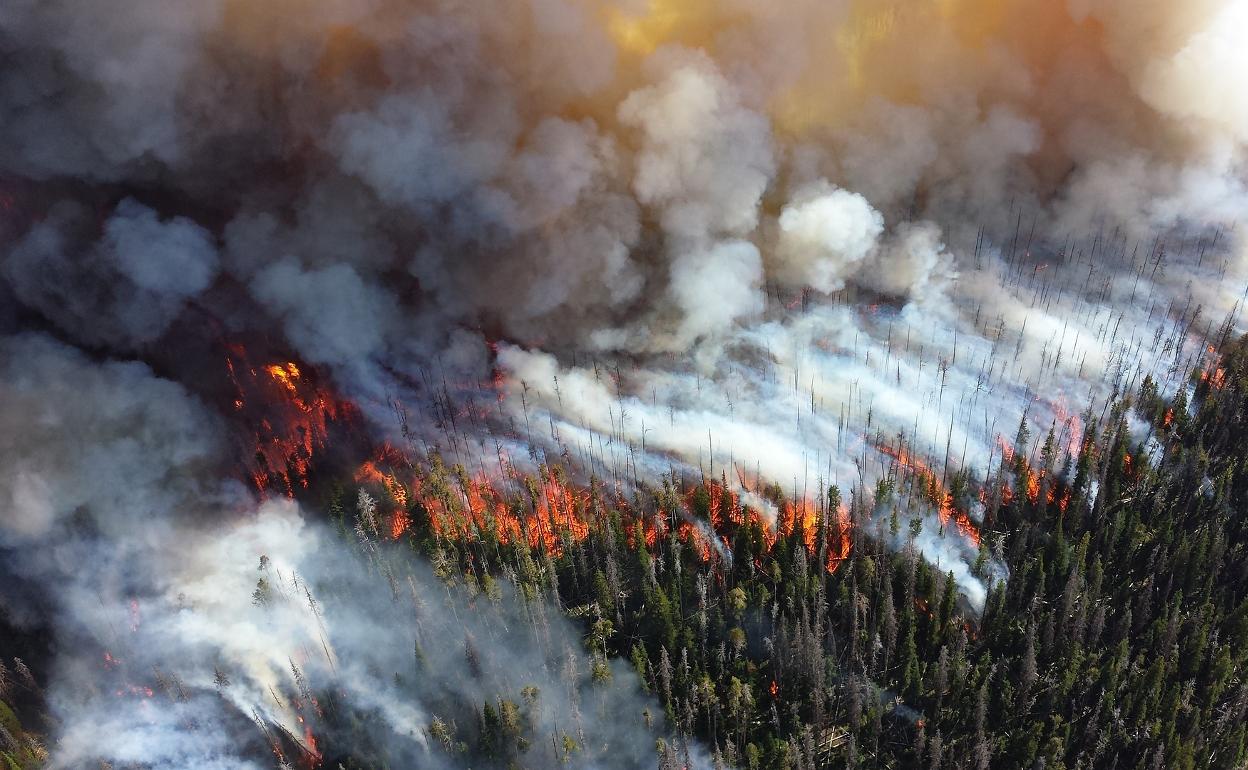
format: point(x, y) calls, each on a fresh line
point(1031, 481)
point(543, 513)
point(370, 473)
point(934, 491)
point(547, 512)
point(1072, 424)
point(294, 425)
point(1212, 373)
point(1216, 379)
point(309, 744)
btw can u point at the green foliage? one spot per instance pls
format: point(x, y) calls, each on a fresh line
point(19, 749)
point(1120, 637)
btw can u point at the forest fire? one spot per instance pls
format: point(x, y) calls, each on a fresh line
point(370, 473)
point(309, 745)
point(1211, 371)
point(136, 691)
point(934, 491)
point(1071, 426)
point(545, 510)
point(1030, 484)
point(800, 516)
point(1030, 480)
point(286, 375)
point(306, 741)
point(467, 323)
point(843, 539)
point(1215, 378)
point(124, 688)
point(289, 416)
point(549, 511)
point(466, 508)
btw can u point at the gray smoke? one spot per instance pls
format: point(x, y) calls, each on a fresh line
point(121, 290)
point(799, 235)
point(171, 639)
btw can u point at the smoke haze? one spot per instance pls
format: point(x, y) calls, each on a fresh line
point(781, 243)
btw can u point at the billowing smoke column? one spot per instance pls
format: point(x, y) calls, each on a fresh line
point(799, 243)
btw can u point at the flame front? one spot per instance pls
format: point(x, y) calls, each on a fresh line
point(546, 511)
point(934, 491)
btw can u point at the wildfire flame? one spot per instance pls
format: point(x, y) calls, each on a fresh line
point(548, 512)
point(1212, 373)
point(292, 419)
point(544, 511)
point(1031, 480)
point(1215, 379)
point(1072, 427)
point(934, 491)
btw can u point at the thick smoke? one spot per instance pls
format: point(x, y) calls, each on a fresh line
point(172, 640)
point(107, 440)
point(824, 234)
point(780, 243)
point(229, 641)
point(121, 290)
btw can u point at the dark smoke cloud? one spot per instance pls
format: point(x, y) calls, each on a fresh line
point(121, 290)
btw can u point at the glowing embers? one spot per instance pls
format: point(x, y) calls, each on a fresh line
point(289, 416)
point(125, 685)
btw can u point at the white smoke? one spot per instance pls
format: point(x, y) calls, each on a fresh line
point(180, 620)
point(715, 288)
point(705, 159)
point(824, 234)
